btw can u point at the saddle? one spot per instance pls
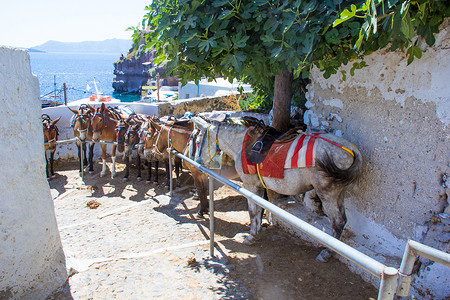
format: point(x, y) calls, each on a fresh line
point(262, 138)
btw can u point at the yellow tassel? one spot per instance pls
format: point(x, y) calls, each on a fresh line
point(259, 175)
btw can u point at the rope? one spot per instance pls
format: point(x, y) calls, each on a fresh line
point(259, 176)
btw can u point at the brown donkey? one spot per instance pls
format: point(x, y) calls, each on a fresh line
point(82, 129)
point(104, 129)
point(177, 137)
point(50, 138)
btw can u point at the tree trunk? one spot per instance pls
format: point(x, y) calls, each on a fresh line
point(282, 100)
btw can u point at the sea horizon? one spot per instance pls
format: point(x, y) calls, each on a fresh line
point(77, 70)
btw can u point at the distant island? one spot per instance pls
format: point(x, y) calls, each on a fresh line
point(119, 46)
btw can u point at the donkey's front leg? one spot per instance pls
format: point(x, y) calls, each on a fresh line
point(113, 158)
point(104, 167)
point(52, 156)
point(139, 176)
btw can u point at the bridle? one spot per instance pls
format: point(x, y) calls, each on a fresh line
point(52, 127)
point(83, 118)
point(104, 119)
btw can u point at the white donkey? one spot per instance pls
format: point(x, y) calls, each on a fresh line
point(333, 164)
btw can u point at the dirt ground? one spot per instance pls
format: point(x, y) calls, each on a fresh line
point(279, 266)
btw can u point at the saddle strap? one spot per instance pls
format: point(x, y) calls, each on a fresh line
point(333, 143)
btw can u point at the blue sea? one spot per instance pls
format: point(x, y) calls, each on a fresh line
point(78, 71)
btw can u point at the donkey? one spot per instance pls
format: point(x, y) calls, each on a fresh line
point(104, 129)
point(332, 163)
point(155, 136)
point(81, 124)
point(51, 133)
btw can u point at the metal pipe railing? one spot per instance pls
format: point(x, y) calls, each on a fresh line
point(77, 139)
point(413, 249)
point(387, 275)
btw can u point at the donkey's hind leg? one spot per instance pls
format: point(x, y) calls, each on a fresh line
point(333, 207)
point(255, 212)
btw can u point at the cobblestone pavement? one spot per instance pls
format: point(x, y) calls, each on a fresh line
point(139, 243)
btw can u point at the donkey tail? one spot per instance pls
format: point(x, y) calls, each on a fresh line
point(337, 175)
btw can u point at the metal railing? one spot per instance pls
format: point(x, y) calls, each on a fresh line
point(77, 139)
point(393, 281)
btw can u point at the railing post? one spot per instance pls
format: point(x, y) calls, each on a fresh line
point(82, 144)
point(388, 284)
point(211, 216)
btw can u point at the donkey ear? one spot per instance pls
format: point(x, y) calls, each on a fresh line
point(56, 120)
point(103, 107)
point(91, 108)
point(75, 111)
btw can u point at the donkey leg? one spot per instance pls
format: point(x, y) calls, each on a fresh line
point(255, 212)
point(333, 207)
point(85, 158)
point(52, 155)
point(91, 157)
point(201, 183)
point(104, 167)
point(113, 158)
point(79, 156)
point(149, 176)
point(139, 176)
point(127, 167)
point(46, 165)
point(156, 171)
point(167, 174)
point(177, 169)
point(113, 167)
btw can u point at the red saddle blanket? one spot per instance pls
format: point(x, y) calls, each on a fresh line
point(299, 153)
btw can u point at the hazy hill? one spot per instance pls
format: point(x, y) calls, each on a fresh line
point(107, 46)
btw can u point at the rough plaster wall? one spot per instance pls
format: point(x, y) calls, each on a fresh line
point(31, 256)
point(398, 116)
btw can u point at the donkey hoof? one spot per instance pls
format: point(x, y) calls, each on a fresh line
point(324, 256)
point(113, 175)
point(250, 240)
point(53, 176)
point(102, 174)
point(91, 171)
point(139, 178)
point(125, 179)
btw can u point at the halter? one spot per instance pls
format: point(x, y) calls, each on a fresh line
point(48, 127)
point(155, 144)
point(153, 137)
point(83, 120)
point(105, 122)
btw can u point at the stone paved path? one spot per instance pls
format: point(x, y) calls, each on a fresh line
point(142, 244)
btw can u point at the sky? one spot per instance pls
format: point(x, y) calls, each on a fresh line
point(29, 23)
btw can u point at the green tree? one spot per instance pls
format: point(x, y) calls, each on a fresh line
point(274, 44)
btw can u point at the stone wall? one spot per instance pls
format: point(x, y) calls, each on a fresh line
point(398, 115)
point(32, 263)
point(197, 105)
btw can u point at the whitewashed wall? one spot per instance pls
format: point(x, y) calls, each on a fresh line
point(32, 263)
point(398, 116)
